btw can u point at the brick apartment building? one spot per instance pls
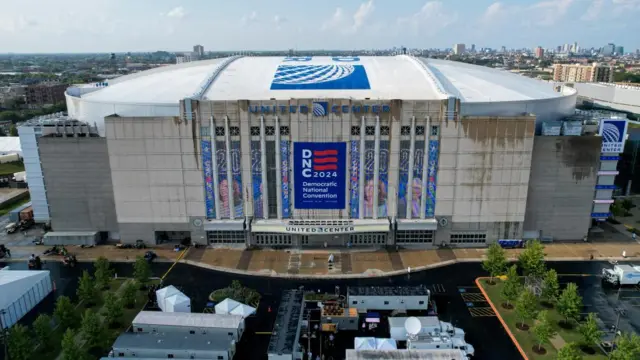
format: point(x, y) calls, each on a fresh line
point(45, 94)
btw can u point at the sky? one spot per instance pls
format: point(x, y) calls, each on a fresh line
point(35, 26)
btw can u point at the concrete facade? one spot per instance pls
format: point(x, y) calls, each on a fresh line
point(483, 177)
point(562, 186)
point(78, 183)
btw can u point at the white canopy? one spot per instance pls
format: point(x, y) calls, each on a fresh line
point(243, 310)
point(171, 299)
point(226, 305)
point(365, 343)
point(386, 344)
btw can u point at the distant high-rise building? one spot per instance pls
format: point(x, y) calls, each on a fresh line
point(566, 48)
point(582, 73)
point(539, 52)
point(183, 58)
point(458, 49)
point(473, 47)
point(503, 49)
point(198, 51)
point(574, 47)
point(619, 50)
point(559, 49)
point(608, 49)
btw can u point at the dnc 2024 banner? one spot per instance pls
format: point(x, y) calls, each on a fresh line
point(319, 175)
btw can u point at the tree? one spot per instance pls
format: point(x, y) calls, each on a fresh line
point(141, 270)
point(512, 286)
point(91, 329)
point(496, 261)
point(19, 343)
point(542, 330)
point(42, 329)
point(64, 313)
point(87, 291)
point(569, 352)
point(627, 347)
point(570, 303)
point(13, 131)
point(103, 273)
point(590, 331)
point(112, 309)
point(129, 293)
point(532, 259)
point(526, 307)
point(70, 349)
point(550, 286)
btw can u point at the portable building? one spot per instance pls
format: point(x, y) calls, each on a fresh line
point(388, 298)
point(171, 299)
point(225, 326)
point(20, 292)
point(225, 306)
point(173, 346)
point(14, 215)
point(430, 325)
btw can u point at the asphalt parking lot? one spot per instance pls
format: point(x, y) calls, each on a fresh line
point(17, 238)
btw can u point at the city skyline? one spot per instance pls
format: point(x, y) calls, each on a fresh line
point(39, 26)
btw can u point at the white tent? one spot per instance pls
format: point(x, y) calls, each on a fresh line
point(243, 310)
point(171, 299)
point(226, 306)
point(365, 343)
point(386, 344)
point(21, 291)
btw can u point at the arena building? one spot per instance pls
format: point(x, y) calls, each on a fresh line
point(319, 151)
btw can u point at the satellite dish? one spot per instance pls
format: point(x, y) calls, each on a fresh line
point(413, 326)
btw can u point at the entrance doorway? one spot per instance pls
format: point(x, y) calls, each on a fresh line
point(173, 237)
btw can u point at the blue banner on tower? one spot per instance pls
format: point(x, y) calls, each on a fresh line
point(256, 179)
point(354, 180)
point(207, 168)
point(432, 177)
point(284, 170)
point(320, 175)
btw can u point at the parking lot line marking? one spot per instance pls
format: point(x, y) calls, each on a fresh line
point(482, 312)
point(579, 275)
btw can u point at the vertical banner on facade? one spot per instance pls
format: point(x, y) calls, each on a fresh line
point(614, 134)
point(223, 182)
point(207, 168)
point(256, 179)
point(410, 192)
point(319, 172)
point(284, 170)
point(383, 177)
point(236, 172)
point(432, 176)
point(354, 180)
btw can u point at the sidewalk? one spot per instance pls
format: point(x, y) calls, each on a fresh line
point(314, 263)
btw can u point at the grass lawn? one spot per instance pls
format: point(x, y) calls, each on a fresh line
point(525, 338)
point(53, 351)
point(4, 210)
point(11, 167)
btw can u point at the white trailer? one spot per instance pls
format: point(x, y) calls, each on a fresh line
point(622, 275)
point(440, 342)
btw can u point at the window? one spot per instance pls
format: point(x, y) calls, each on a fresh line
point(420, 302)
point(370, 130)
point(354, 302)
point(468, 238)
point(352, 321)
point(204, 131)
point(192, 332)
point(226, 237)
point(284, 130)
point(414, 236)
point(435, 130)
point(270, 130)
point(355, 131)
point(121, 354)
point(268, 239)
point(405, 130)
point(419, 130)
point(386, 303)
point(170, 356)
point(219, 131)
point(384, 130)
point(140, 330)
point(220, 357)
point(255, 131)
point(234, 131)
point(230, 334)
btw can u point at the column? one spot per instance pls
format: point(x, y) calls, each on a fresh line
point(227, 142)
point(425, 170)
point(278, 171)
point(263, 162)
point(214, 164)
point(245, 155)
point(376, 169)
point(412, 148)
point(363, 126)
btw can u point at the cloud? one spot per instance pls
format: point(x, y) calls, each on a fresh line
point(494, 12)
point(176, 13)
point(622, 6)
point(18, 24)
point(543, 13)
point(361, 15)
point(593, 11)
point(279, 19)
point(431, 16)
point(251, 18)
point(335, 21)
point(551, 11)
